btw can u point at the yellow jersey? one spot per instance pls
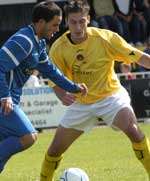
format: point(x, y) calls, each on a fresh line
point(92, 61)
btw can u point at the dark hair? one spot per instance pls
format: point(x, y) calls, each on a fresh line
point(45, 10)
point(76, 6)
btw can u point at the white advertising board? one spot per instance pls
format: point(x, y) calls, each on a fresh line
point(7, 2)
point(42, 106)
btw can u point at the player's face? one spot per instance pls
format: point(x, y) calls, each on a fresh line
point(49, 28)
point(77, 23)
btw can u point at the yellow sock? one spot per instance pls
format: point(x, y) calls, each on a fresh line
point(49, 166)
point(142, 152)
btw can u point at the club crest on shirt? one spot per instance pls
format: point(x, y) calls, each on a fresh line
point(80, 57)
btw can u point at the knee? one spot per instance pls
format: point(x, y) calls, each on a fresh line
point(28, 140)
point(134, 133)
point(56, 150)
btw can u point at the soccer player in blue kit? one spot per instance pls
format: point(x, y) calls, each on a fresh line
point(23, 52)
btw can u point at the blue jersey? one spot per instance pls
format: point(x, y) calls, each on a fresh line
point(22, 53)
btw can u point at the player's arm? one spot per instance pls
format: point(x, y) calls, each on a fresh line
point(57, 57)
point(144, 60)
point(11, 54)
point(50, 71)
point(124, 52)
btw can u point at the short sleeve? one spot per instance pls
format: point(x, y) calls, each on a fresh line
point(123, 51)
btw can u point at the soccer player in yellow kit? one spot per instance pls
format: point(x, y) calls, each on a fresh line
point(87, 54)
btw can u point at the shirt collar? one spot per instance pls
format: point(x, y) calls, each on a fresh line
point(34, 33)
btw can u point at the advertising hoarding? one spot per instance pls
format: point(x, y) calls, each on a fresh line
point(8, 2)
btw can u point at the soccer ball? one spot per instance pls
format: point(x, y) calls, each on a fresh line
point(74, 174)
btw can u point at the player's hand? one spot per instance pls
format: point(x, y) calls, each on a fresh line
point(66, 98)
point(83, 89)
point(7, 105)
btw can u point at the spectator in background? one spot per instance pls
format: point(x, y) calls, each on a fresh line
point(93, 21)
point(104, 14)
point(146, 14)
point(139, 13)
point(118, 16)
point(126, 69)
point(142, 9)
point(131, 27)
point(33, 80)
point(146, 50)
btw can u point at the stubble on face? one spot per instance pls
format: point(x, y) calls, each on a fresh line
point(51, 27)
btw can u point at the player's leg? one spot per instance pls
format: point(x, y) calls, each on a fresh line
point(63, 138)
point(126, 121)
point(72, 125)
point(16, 134)
point(117, 112)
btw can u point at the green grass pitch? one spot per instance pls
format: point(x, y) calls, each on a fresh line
point(105, 155)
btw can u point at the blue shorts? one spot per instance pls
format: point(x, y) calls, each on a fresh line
point(16, 123)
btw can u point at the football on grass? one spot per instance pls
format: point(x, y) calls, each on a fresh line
point(74, 174)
